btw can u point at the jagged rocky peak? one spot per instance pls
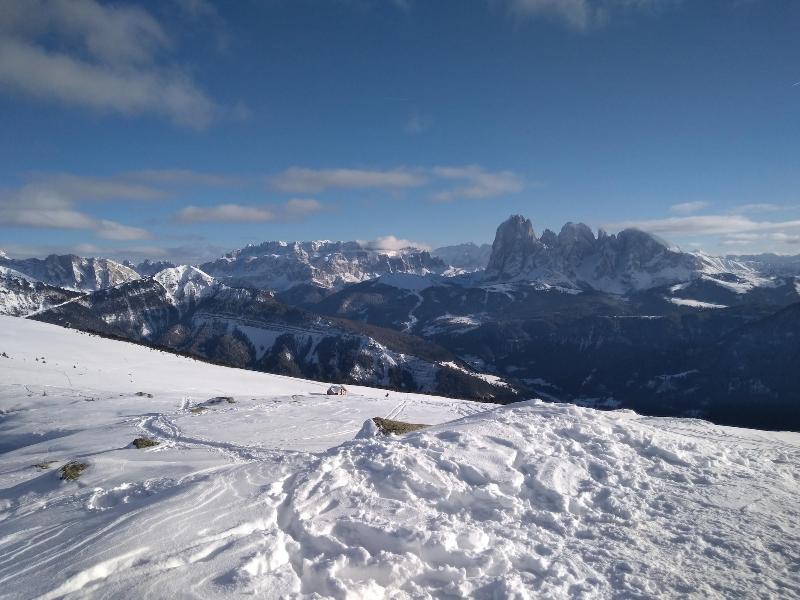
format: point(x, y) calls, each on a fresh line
point(577, 259)
point(514, 245)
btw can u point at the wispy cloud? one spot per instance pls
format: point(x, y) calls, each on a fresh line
point(707, 225)
point(77, 187)
point(40, 208)
point(418, 124)
point(761, 207)
point(297, 208)
point(478, 183)
point(579, 14)
point(459, 182)
point(98, 56)
point(181, 177)
point(310, 181)
point(688, 207)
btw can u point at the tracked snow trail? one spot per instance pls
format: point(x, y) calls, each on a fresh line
point(268, 495)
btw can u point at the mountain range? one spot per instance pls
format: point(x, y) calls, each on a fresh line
point(619, 320)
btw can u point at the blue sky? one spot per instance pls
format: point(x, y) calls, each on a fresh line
point(185, 128)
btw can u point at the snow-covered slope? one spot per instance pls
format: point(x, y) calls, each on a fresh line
point(21, 295)
point(282, 265)
point(267, 496)
point(73, 272)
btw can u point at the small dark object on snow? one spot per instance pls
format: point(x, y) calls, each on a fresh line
point(143, 442)
point(337, 390)
point(144, 394)
point(72, 470)
point(389, 427)
point(220, 399)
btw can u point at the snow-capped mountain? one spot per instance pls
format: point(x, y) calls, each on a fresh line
point(629, 261)
point(186, 284)
point(468, 257)
point(21, 295)
point(185, 309)
point(279, 266)
point(73, 272)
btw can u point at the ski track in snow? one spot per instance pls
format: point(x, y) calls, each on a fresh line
point(270, 495)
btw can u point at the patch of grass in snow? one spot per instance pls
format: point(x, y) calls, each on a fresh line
point(72, 470)
point(390, 427)
point(198, 409)
point(143, 442)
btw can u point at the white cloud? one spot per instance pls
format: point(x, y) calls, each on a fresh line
point(93, 188)
point(749, 239)
point(224, 213)
point(391, 243)
point(473, 181)
point(111, 230)
point(302, 207)
point(303, 181)
point(38, 208)
point(478, 183)
point(297, 208)
point(707, 225)
point(688, 207)
point(119, 69)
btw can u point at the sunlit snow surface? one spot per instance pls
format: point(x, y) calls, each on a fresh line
point(271, 495)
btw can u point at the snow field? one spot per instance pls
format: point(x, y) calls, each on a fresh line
point(271, 496)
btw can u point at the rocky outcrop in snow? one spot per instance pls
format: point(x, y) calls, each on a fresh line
point(282, 265)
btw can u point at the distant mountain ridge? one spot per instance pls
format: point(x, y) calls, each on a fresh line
point(185, 309)
point(73, 272)
point(280, 266)
point(627, 262)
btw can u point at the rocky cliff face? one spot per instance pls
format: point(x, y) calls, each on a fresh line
point(574, 258)
point(73, 272)
point(280, 266)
